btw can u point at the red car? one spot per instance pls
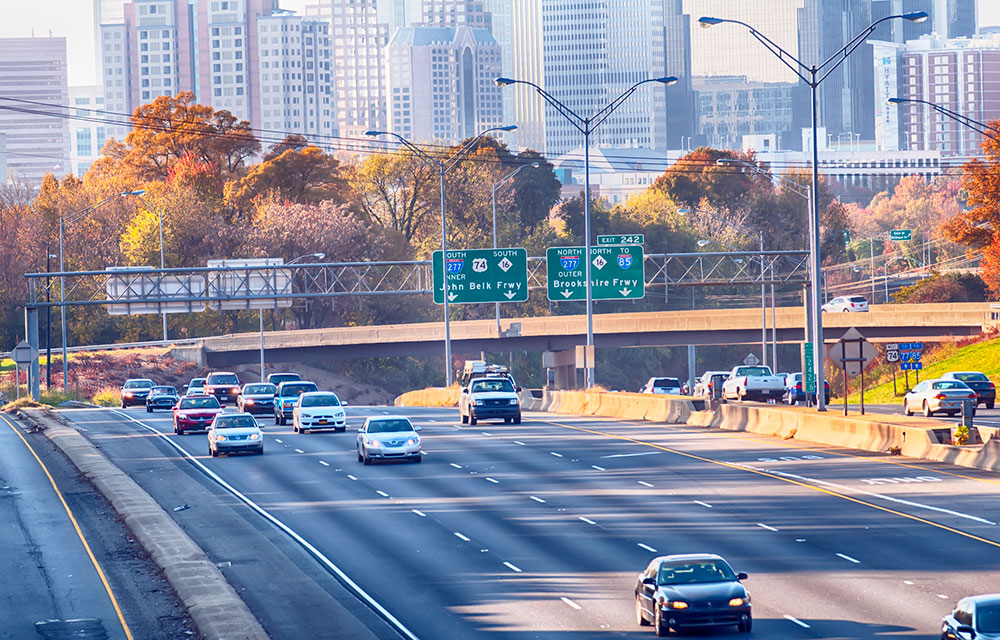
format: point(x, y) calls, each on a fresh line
point(195, 413)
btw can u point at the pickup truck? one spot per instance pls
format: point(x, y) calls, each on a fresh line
point(752, 383)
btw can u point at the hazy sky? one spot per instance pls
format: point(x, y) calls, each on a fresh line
point(74, 19)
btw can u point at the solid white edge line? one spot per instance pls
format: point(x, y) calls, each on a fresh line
point(765, 526)
point(536, 498)
point(419, 513)
point(849, 558)
point(316, 553)
point(797, 621)
point(461, 537)
point(512, 567)
point(646, 547)
point(324, 463)
point(704, 504)
point(587, 520)
point(571, 603)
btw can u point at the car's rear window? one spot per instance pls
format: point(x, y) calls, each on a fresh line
point(223, 378)
point(666, 382)
point(753, 371)
point(948, 384)
point(325, 400)
point(973, 377)
point(278, 378)
point(297, 389)
point(857, 299)
point(260, 388)
point(196, 382)
point(199, 403)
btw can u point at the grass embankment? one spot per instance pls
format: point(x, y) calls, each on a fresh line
point(982, 356)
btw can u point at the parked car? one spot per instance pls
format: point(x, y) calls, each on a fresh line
point(195, 413)
point(938, 396)
point(256, 397)
point(388, 438)
point(196, 387)
point(973, 617)
point(235, 433)
point(795, 391)
point(489, 398)
point(662, 385)
point(135, 391)
point(287, 395)
point(752, 383)
point(161, 397)
point(224, 385)
point(278, 378)
point(846, 304)
point(986, 391)
point(683, 592)
point(708, 382)
point(318, 410)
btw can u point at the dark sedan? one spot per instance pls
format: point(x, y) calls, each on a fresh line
point(974, 617)
point(986, 391)
point(161, 397)
point(256, 397)
point(135, 391)
point(691, 591)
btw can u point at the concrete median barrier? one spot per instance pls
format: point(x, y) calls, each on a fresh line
point(430, 397)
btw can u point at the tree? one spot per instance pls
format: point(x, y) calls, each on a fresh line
point(947, 287)
point(395, 191)
point(535, 190)
point(698, 177)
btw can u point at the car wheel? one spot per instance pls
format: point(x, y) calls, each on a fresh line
point(295, 427)
point(989, 405)
point(472, 420)
point(465, 418)
point(906, 409)
point(176, 432)
point(124, 406)
point(418, 459)
point(212, 452)
point(662, 631)
point(365, 459)
point(640, 619)
point(742, 397)
point(927, 410)
point(149, 409)
point(303, 430)
point(517, 419)
point(360, 457)
point(745, 627)
point(260, 451)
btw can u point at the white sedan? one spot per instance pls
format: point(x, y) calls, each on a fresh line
point(846, 304)
point(388, 438)
point(938, 396)
point(318, 410)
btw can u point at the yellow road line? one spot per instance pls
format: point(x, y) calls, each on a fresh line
point(766, 474)
point(79, 532)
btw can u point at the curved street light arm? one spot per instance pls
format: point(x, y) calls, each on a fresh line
point(784, 56)
point(858, 40)
point(979, 127)
point(565, 111)
point(417, 151)
point(608, 109)
point(448, 164)
point(786, 183)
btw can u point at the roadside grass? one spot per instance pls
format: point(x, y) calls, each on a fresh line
point(982, 356)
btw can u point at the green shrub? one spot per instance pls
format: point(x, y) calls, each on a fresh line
point(108, 397)
point(56, 398)
point(20, 403)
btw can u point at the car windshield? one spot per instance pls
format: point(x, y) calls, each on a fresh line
point(164, 391)
point(261, 389)
point(492, 385)
point(949, 384)
point(235, 422)
point(138, 384)
point(288, 390)
point(695, 572)
point(389, 426)
point(223, 378)
point(971, 377)
point(753, 371)
point(199, 403)
point(324, 400)
point(666, 382)
point(988, 618)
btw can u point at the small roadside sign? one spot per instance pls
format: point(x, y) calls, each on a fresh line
point(900, 235)
point(23, 354)
point(751, 360)
point(852, 353)
point(810, 367)
point(633, 238)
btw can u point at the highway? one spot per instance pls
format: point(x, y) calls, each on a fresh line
point(538, 530)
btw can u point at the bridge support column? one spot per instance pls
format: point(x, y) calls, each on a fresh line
point(563, 366)
point(31, 335)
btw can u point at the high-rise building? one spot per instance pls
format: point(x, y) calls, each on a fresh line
point(440, 83)
point(453, 13)
point(87, 138)
point(294, 75)
point(34, 69)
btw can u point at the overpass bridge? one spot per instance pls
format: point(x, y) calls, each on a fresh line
point(561, 334)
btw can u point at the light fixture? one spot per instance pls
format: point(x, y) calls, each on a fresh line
point(915, 16)
point(707, 22)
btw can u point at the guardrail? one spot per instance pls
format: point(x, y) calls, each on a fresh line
point(118, 346)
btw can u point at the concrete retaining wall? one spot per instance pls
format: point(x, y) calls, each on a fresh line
point(430, 397)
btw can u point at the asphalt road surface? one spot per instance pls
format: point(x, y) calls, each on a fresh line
point(538, 530)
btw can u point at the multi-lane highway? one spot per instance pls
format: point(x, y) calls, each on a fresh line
point(537, 530)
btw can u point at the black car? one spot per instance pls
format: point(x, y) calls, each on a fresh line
point(974, 617)
point(161, 397)
point(224, 385)
point(135, 391)
point(986, 391)
point(256, 397)
point(691, 591)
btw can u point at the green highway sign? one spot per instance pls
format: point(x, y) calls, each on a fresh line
point(900, 235)
point(631, 238)
point(616, 273)
point(482, 275)
point(810, 366)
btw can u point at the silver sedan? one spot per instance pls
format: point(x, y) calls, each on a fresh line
point(938, 396)
point(388, 438)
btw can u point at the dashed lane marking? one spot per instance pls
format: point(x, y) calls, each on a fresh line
point(797, 621)
point(848, 558)
point(587, 520)
point(646, 547)
point(765, 526)
point(704, 504)
point(571, 603)
point(461, 537)
point(512, 567)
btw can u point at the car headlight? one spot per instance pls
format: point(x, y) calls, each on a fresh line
point(248, 401)
point(677, 604)
point(234, 390)
point(513, 401)
point(128, 394)
point(737, 602)
point(219, 437)
point(256, 436)
point(374, 443)
point(413, 441)
point(479, 403)
point(340, 414)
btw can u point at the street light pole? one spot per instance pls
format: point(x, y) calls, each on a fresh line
point(319, 256)
point(48, 320)
point(442, 167)
point(813, 75)
point(497, 185)
point(586, 126)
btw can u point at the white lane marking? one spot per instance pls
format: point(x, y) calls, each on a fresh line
point(633, 455)
point(486, 433)
point(849, 490)
point(351, 477)
point(594, 466)
point(419, 513)
point(704, 504)
point(645, 484)
point(558, 455)
point(299, 451)
point(383, 494)
point(765, 526)
point(646, 547)
point(587, 520)
point(536, 498)
point(571, 603)
point(797, 621)
point(907, 581)
point(849, 558)
point(324, 463)
point(461, 537)
point(512, 567)
point(291, 533)
point(493, 481)
point(457, 466)
point(942, 596)
point(278, 441)
point(519, 442)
